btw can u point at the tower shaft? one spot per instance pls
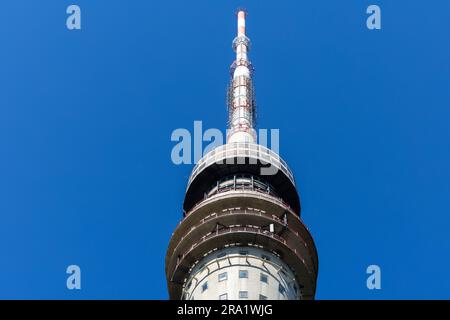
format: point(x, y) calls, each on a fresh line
point(241, 236)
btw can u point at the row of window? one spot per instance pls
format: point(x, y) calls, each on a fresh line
point(242, 295)
point(243, 274)
point(241, 181)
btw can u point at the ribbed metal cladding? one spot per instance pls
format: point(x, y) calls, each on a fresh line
point(241, 236)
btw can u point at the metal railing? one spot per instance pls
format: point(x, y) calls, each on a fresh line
point(237, 229)
point(254, 193)
point(228, 212)
point(231, 211)
point(254, 152)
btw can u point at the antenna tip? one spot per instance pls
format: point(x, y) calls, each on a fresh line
point(241, 22)
point(241, 12)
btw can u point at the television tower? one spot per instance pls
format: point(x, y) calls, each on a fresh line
point(241, 236)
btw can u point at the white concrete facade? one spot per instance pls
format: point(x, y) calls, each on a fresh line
point(241, 273)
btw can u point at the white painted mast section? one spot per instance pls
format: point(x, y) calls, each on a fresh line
point(241, 102)
point(241, 52)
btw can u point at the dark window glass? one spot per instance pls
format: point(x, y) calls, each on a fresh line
point(243, 274)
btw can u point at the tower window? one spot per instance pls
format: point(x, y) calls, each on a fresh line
point(243, 274)
point(264, 278)
point(223, 276)
point(205, 286)
point(243, 294)
point(262, 297)
point(223, 296)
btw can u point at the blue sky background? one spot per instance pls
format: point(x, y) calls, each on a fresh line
point(86, 117)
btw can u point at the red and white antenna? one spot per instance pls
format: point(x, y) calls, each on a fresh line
point(241, 102)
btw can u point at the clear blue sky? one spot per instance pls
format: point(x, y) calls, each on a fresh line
point(86, 117)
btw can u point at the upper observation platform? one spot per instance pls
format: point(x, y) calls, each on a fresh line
point(241, 158)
